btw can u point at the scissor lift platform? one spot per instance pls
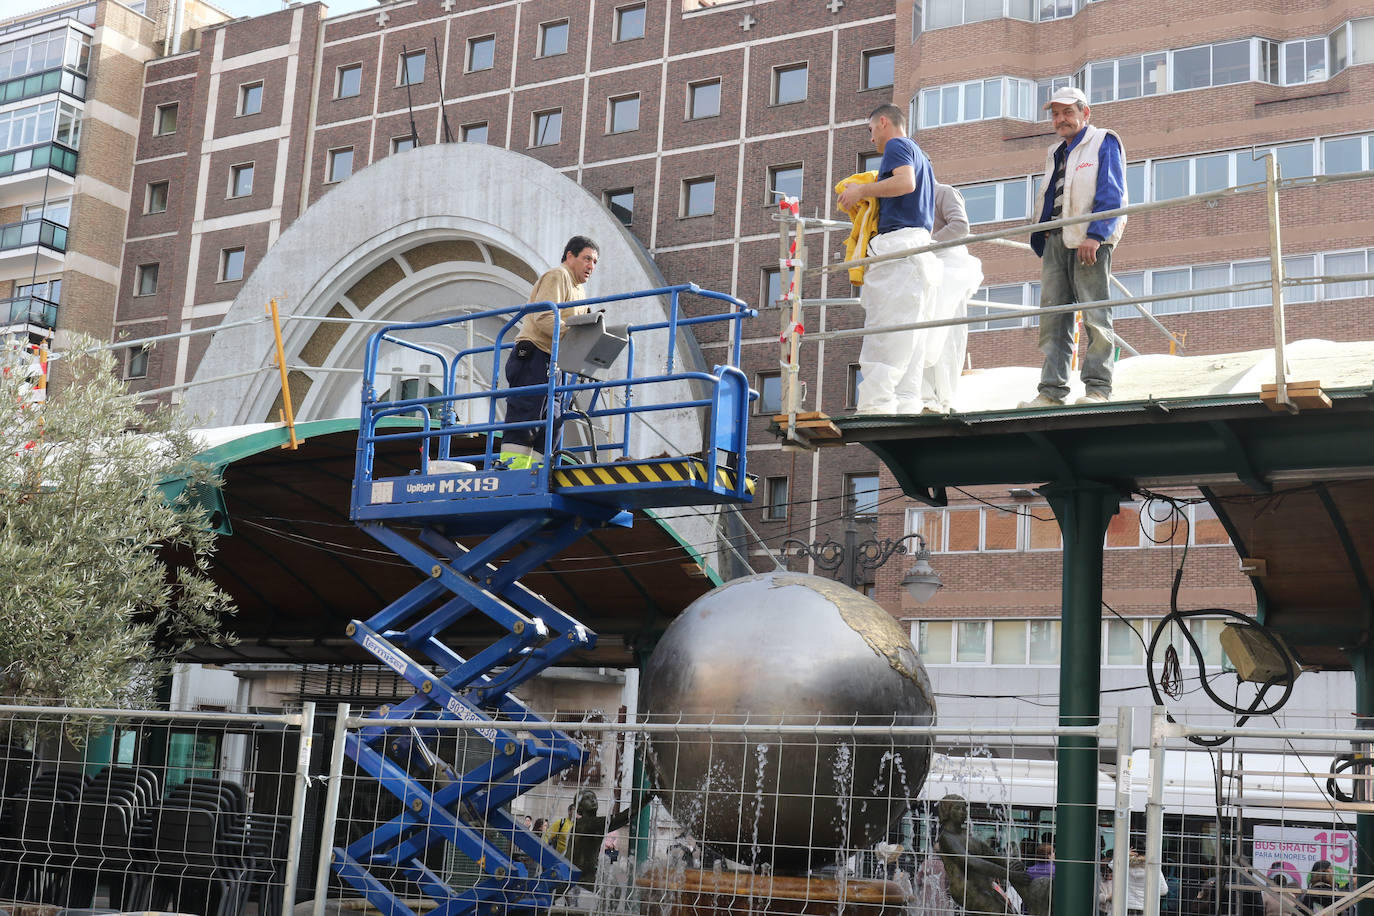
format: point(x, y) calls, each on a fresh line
point(525, 517)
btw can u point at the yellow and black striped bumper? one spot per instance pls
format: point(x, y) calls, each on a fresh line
point(638, 474)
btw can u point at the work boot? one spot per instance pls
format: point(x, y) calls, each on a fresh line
point(1040, 400)
point(1094, 397)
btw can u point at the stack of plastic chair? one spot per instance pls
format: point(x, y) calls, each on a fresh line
point(42, 818)
point(266, 862)
point(16, 768)
point(201, 849)
point(114, 827)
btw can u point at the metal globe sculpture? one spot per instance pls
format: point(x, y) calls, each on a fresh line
point(797, 651)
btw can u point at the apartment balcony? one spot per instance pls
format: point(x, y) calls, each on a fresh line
point(31, 85)
point(28, 314)
point(32, 173)
point(31, 246)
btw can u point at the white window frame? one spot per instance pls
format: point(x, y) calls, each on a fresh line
point(339, 80)
point(776, 87)
point(166, 187)
point(226, 258)
point(620, 12)
point(472, 44)
point(237, 170)
point(403, 67)
point(332, 159)
point(691, 98)
point(611, 104)
point(245, 91)
point(545, 28)
point(687, 185)
point(160, 114)
point(535, 131)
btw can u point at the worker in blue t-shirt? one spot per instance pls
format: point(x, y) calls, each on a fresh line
point(902, 290)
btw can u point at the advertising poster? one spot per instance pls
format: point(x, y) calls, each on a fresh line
point(1292, 851)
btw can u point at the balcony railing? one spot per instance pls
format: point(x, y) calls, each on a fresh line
point(34, 231)
point(30, 310)
point(43, 155)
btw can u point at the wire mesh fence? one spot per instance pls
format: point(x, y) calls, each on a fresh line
point(120, 810)
point(219, 814)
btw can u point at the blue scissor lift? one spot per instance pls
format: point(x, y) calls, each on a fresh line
point(515, 520)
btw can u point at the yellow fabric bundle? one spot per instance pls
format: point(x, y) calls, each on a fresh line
point(864, 216)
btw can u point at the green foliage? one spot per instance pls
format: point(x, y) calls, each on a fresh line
point(102, 578)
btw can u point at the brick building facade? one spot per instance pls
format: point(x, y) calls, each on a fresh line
point(683, 117)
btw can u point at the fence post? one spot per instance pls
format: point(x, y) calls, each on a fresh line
point(333, 789)
point(1154, 812)
point(293, 842)
point(1121, 811)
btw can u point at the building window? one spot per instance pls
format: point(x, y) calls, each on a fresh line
point(231, 264)
point(411, 68)
point(998, 201)
point(250, 98)
point(546, 127)
point(401, 144)
point(703, 99)
point(878, 68)
point(770, 393)
point(861, 494)
point(851, 389)
point(165, 119)
point(348, 81)
point(934, 639)
point(157, 197)
point(771, 291)
point(978, 100)
point(789, 84)
point(145, 280)
point(241, 180)
point(698, 197)
point(553, 38)
point(776, 492)
point(870, 162)
point(621, 203)
point(629, 22)
point(784, 181)
point(481, 53)
point(622, 114)
point(475, 132)
point(340, 163)
point(136, 362)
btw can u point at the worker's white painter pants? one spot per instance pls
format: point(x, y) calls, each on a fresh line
point(945, 347)
point(895, 292)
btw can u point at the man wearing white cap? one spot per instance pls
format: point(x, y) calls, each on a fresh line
point(1084, 173)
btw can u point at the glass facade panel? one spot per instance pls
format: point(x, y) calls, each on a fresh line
point(1231, 62)
point(1171, 179)
point(980, 202)
point(1350, 262)
point(1000, 529)
point(1343, 154)
point(1044, 642)
point(1171, 281)
point(963, 530)
point(1124, 643)
point(1124, 528)
point(935, 640)
point(1295, 160)
point(1014, 199)
point(1207, 528)
point(1193, 68)
point(1206, 278)
point(971, 641)
point(1009, 642)
point(1211, 173)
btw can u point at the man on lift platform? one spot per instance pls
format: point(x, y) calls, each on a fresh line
point(529, 361)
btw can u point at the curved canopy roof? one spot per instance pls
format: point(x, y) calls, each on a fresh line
point(299, 570)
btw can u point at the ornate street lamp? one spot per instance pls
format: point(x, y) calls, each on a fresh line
point(852, 557)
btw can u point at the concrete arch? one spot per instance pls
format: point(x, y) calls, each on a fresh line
point(505, 218)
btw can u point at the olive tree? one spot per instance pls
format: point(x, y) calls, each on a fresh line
point(104, 547)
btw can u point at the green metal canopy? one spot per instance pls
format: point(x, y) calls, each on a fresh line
point(299, 570)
